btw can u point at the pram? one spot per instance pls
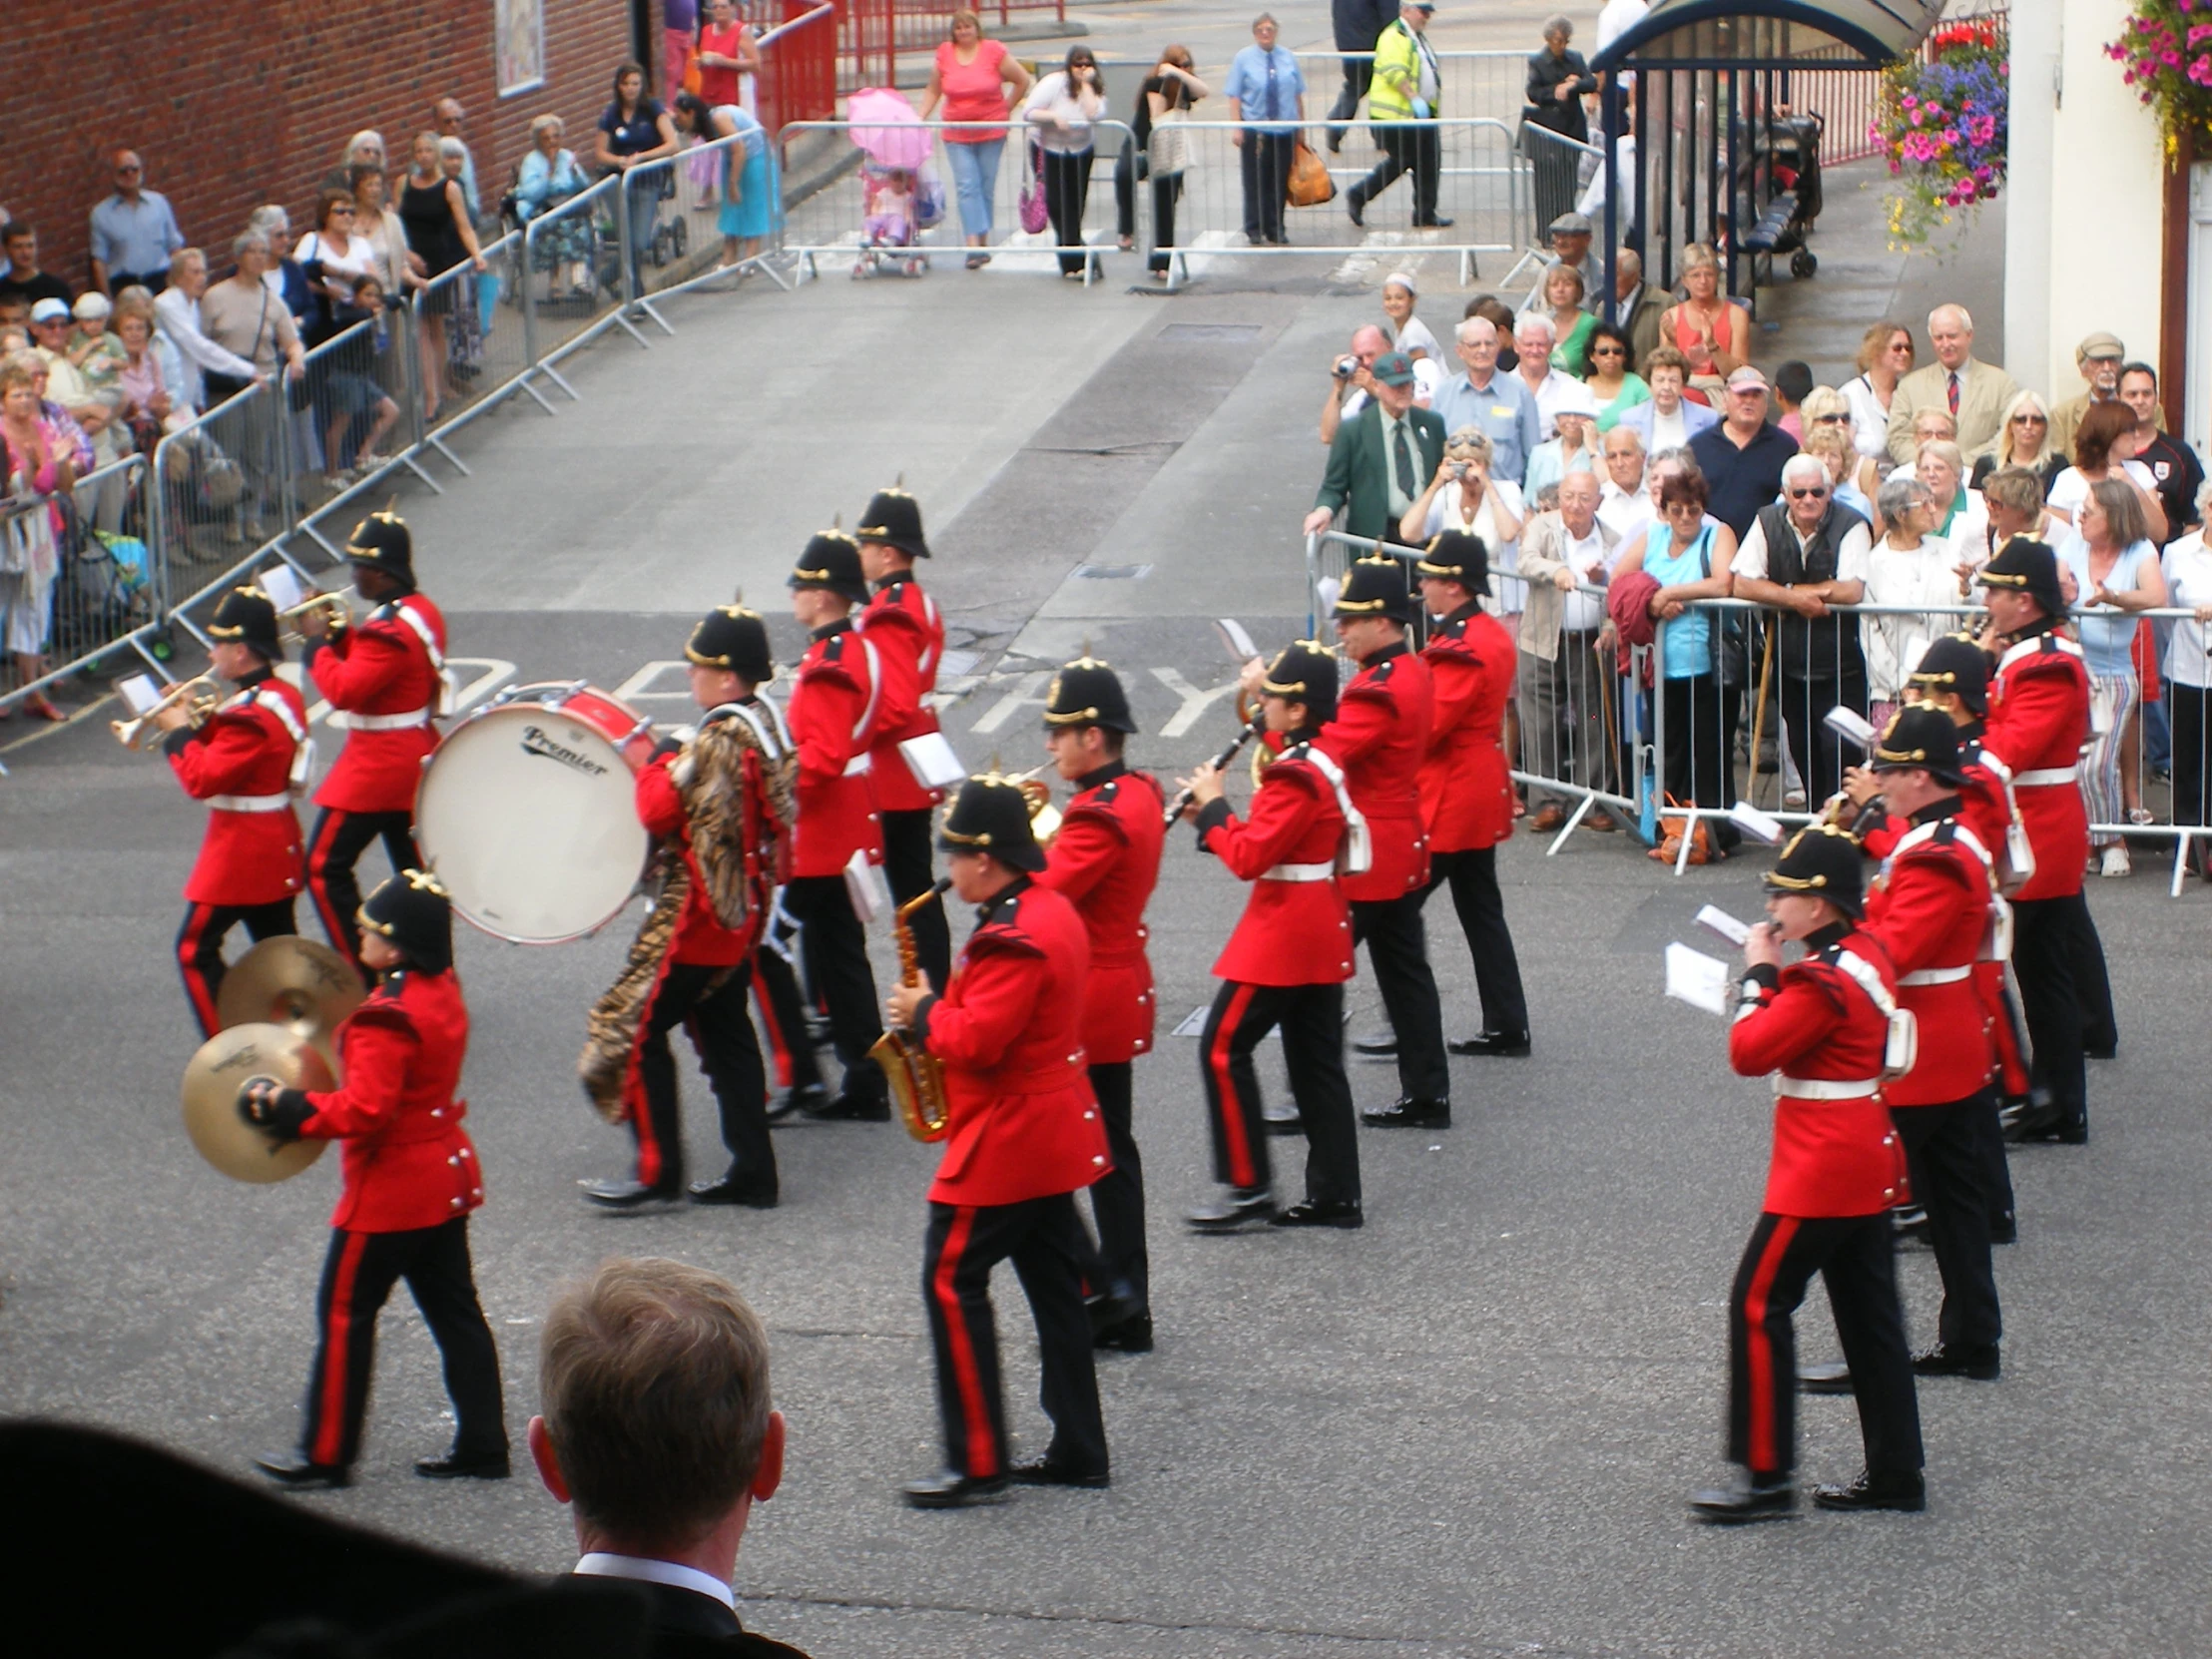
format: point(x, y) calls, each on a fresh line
point(900, 195)
point(1789, 148)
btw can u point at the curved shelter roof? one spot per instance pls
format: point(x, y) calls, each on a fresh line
point(1772, 34)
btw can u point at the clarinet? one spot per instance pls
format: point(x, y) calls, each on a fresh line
point(1251, 730)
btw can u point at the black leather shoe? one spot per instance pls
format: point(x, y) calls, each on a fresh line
point(804, 1097)
point(1834, 1378)
point(1910, 1221)
point(1236, 1208)
point(1410, 1113)
point(1377, 1045)
point(2071, 1134)
point(1130, 1336)
point(2037, 1120)
point(630, 1194)
point(1753, 1497)
point(1498, 1045)
point(2004, 1229)
point(1982, 1364)
point(1333, 1212)
point(1044, 1471)
point(849, 1108)
point(951, 1490)
point(289, 1469)
point(1437, 221)
point(1291, 1125)
point(453, 1466)
point(1907, 1492)
point(1353, 206)
point(731, 1189)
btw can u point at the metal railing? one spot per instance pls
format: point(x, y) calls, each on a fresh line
point(1487, 83)
point(798, 79)
point(879, 222)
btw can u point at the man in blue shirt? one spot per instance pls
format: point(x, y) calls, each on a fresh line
point(1483, 397)
point(1268, 94)
point(132, 231)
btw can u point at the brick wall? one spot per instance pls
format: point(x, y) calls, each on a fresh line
point(238, 102)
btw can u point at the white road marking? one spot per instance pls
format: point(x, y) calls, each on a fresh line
point(1192, 701)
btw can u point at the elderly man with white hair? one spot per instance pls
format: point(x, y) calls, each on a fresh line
point(1533, 338)
point(1801, 556)
point(1976, 394)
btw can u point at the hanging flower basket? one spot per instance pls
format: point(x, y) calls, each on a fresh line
point(1941, 125)
point(2167, 48)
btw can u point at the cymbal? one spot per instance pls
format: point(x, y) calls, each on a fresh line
point(211, 1091)
point(289, 981)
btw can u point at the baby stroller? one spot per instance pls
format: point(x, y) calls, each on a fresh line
point(1789, 148)
point(900, 196)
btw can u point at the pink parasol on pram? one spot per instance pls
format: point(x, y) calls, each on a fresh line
point(887, 127)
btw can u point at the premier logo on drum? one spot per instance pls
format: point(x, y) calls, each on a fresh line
point(535, 742)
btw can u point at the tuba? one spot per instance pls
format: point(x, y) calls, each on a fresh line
point(917, 1077)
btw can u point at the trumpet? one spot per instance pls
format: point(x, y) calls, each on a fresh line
point(200, 695)
point(338, 613)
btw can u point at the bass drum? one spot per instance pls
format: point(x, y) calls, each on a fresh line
point(527, 812)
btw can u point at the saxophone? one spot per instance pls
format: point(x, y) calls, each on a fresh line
point(917, 1077)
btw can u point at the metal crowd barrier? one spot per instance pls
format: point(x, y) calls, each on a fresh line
point(852, 218)
point(1492, 83)
point(1478, 187)
point(674, 206)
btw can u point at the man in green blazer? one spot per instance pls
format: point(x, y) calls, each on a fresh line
point(1381, 459)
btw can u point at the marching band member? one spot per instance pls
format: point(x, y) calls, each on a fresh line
point(1822, 1028)
point(2038, 722)
point(410, 1180)
point(721, 806)
point(1467, 787)
point(1105, 859)
point(835, 700)
point(903, 625)
point(1380, 737)
point(385, 675)
point(1023, 1137)
point(244, 763)
point(1286, 962)
point(1933, 909)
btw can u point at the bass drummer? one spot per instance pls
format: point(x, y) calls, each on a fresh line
point(385, 677)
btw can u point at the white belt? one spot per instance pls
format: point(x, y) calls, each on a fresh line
point(2049, 774)
point(250, 803)
point(381, 723)
point(1935, 977)
point(1823, 1088)
point(1300, 873)
point(858, 765)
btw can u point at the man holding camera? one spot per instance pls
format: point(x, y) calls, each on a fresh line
point(1350, 389)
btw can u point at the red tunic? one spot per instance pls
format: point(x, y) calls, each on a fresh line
point(833, 715)
point(902, 623)
point(1830, 1157)
point(1466, 789)
point(1381, 738)
point(1024, 1123)
point(1930, 910)
point(409, 1162)
point(1106, 860)
point(241, 764)
point(2038, 722)
point(377, 671)
point(700, 937)
point(1291, 932)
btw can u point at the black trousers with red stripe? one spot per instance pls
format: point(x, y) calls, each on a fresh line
point(1857, 1260)
point(338, 842)
point(906, 868)
point(1945, 1156)
point(1117, 1197)
point(200, 947)
point(711, 1004)
point(835, 949)
point(1398, 950)
point(357, 1277)
point(1045, 1239)
point(791, 1051)
point(1312, 1018)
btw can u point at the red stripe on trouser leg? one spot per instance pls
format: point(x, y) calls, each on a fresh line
point(983, 1463)
point(1759, 1349)
point(319, 861)
point(187, 958)
point(337, 1355)
point(652, 1155)
point(1242, 1172)
point(778, 1049)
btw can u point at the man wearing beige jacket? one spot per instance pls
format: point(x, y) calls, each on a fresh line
point(1975, 394)
point(1563, 680)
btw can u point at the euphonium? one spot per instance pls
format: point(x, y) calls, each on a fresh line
point(916, 1076)
point(200, 695)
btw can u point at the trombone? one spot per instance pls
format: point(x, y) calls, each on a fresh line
point(338, 614)
point(200, 695)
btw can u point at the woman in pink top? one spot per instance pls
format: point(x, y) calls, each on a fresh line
point(976, 78)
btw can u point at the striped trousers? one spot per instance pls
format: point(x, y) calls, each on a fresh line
point(1312, 1019)
point(200, 948)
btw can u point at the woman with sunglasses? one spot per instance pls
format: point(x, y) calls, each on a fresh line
point(2023, 440)
point(1060, 114)
point(1604, 369)
point(1884, 356)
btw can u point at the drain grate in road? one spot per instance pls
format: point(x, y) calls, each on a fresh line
point(1212, 334)
point(1113, 573)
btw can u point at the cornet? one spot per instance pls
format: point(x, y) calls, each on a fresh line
point(200, 695)
point(333, 604)
point(1044, 817)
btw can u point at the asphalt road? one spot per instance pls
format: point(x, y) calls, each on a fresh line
point(1468, 1428)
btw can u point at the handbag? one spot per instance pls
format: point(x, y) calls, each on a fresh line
point(1168, 149)
point(1309, 184)
point(1030, 204)
point(695, 76)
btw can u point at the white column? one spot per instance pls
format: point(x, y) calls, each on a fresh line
point(2031, 118)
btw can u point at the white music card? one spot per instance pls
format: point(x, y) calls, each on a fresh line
point(1236, 641)
point(1763, 826)
point(139, 692)
point(1698, 979)
point(865, 886)
point(285, 588)
point(1714, 919)
point(1846, 723)
point(932, 761)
